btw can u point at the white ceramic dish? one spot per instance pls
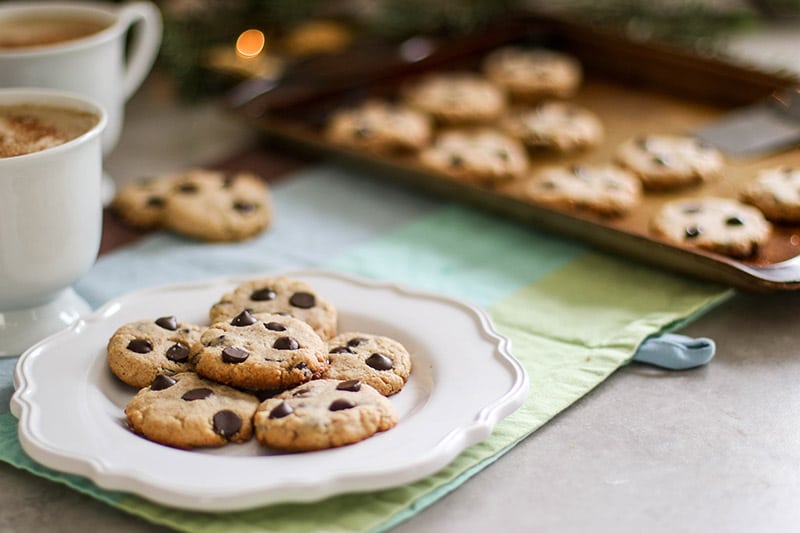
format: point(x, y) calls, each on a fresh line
point(464, 380)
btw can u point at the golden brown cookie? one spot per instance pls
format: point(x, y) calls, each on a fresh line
point(380, 127)
point(558, 126)
point(719, 225)
point(456, 98)
point(378, 361)
point(670, 161)
point(534, 73)
point(279, 295)
point(481, 155)
point(216, 206)
point(142, 203)
point(260, 352)
point(607, 190)
point(139, 351)
point(776, 192)
point(323, 414)
point(187, 411)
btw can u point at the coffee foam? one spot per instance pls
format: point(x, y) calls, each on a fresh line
point(25, 129)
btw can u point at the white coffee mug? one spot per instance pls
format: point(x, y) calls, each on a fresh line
point(94, 65)
point(50, 224)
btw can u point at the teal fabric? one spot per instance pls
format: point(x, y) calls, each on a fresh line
point(574, 316)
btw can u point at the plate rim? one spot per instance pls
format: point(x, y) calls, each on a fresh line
point(108, 477)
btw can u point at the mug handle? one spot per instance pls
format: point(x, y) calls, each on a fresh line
point(145, 19)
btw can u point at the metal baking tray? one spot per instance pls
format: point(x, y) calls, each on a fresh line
point(636, 88)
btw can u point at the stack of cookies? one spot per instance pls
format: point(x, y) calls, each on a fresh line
point(202, 204)
point(270, 364)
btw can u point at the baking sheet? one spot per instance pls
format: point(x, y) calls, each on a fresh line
point(635, 89)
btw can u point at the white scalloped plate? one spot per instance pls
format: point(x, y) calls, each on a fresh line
point(464, 380)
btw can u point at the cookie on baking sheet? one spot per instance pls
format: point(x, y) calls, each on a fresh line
point(260, 352)
point(142, 203)
point(776, 192)
point(139, 351)
point(534, 73)
point(670, 161)
point(719, 225)
point(279, 295)
point(605, 189)
point(323, 414)
point(381, 127)
point(558, 126)
point(378, 361)
point(456, 97)
point(479, 155)
point(218, 206)
point(187, 411)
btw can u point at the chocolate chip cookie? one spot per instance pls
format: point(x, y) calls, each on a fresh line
point(139, 351)
point(380, 127)
point(670, 161)
point(557, 126)
point(534, 73)
point(215, 206)
point(187, 411)
point(279, 295)
point(478, 155)
point(456, 98)
point(323, 414)
point(606, 190)
point(142, 203)
point(378, 361)
point(776, 192)
point(260, 352)
point(719, 225)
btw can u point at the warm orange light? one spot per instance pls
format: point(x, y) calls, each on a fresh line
point(250, 43)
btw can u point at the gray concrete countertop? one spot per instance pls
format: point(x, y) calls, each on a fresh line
point(713, 449)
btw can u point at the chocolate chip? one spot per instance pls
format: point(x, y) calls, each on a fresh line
point(168, 322)
point(379, 362)
point(140, 346)
point(227, 181)
point(303, 300)
point(341, 349)
point(156, 201)
point(352, 385)
point(197, 394)
point(275, 326)
point(231, 354)
point(263, 295)
point(341, 405)
point(693, 232)
point(285, 343)
point(243, 319)
point(734, 221)
point(188, 187)
point(356, 341)
point(547, 185)
point(660, 161)
point(456, 160)
point(227, 423)
point(178, 352)
point(301, 366)
point(283, 409)
point(301, 392)
point(244, 207)
point(162, 382)
point(362, 132)
point(502, 154)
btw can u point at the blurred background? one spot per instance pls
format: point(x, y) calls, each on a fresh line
point(204, 37)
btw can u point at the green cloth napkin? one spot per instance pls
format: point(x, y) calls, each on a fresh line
point(574, 316)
